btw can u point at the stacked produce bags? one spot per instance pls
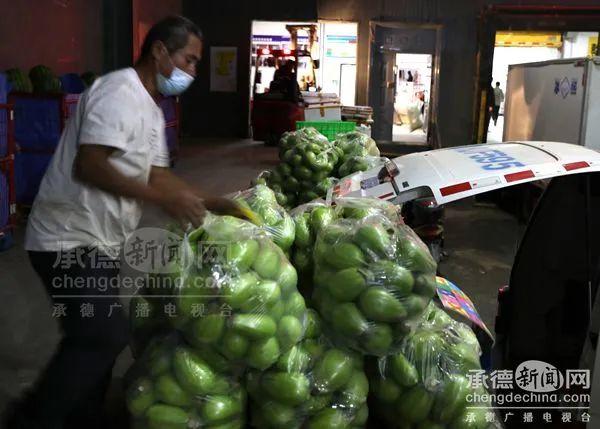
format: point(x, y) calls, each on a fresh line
point(172, 387)
point(310, 164)
point(424, 384)
point(236, 307)
point(313, 385)
point(373, 276)
point(242, 348)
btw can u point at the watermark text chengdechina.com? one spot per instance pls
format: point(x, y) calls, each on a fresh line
point(540, 383)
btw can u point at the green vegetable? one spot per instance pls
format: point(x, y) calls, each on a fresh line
point(170, 392)
point(333, 371)
point(402, 371)
point(348, 320)
point(379, 340)
point(161, 416)
point(192, 373)
point(452, 399)
point(263, 353)
point(328, 418)
point(254, 326)
point(208, 329)
point(379, 305)
point(356, 390)
point(220, 407)
point(416, 404)
point(267, 263)
point(347, 284)
point(290, 388)
point(234, 345)
point(373, 239)
point(289, 331)
point(345, 255)
point(140, 396)
point(386, 390)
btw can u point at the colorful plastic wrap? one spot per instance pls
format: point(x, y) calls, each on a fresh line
point(373, 277)
point(171, 386)
point(235, 295)
point(313, 385)
point(425, 384)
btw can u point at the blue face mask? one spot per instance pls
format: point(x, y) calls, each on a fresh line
point(176, 84)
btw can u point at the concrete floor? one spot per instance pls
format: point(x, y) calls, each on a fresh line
point(480, 242)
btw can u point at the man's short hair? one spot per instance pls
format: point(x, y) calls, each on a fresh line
point(173, 31)
point(497, 83)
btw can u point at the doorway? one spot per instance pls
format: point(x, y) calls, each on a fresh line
point(403, 81)
point(412, 99)
point(519, 47)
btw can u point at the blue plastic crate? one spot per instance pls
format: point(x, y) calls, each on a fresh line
point(6, 238)
point(3, 116)
point(4, 87)
point(38, 122)
point(4, 199)
point(29, 171)
point(3, 132)
point(72, 83)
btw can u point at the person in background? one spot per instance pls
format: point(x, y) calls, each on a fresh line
point(285, 82)
point(489, 108)
point(111, 159)
point(410, 77)
point(498, 99)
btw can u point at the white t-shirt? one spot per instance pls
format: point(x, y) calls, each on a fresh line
point(116, 111)
point(498, 96)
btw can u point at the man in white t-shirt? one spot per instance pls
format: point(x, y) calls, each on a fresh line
point(112, 157)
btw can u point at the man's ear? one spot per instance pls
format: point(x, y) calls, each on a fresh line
point(158, 50)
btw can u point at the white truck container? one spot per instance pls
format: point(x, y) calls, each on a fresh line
point(557, 100)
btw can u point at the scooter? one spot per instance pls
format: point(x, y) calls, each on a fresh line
point(426, 218)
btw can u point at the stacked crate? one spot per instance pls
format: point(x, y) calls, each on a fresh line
point(39, 122)
point(7, 182)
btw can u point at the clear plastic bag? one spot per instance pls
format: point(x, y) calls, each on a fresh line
point(308, 164)
point(261, 179)
point(361, 208)
point(354, 164)
point(277, 222)
point(235, 297)
point(309, 219)
point(425, 383)
point(356, 143)
point(313, 385)
point(171, 386)
point(303, 135)
point(147, 320)
point(373, 277)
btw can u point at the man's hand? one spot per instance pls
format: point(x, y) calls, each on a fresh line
point(184, 206)
point(224, 206)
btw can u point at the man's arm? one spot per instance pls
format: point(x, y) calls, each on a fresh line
point(93, 168)
point(164, 181)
